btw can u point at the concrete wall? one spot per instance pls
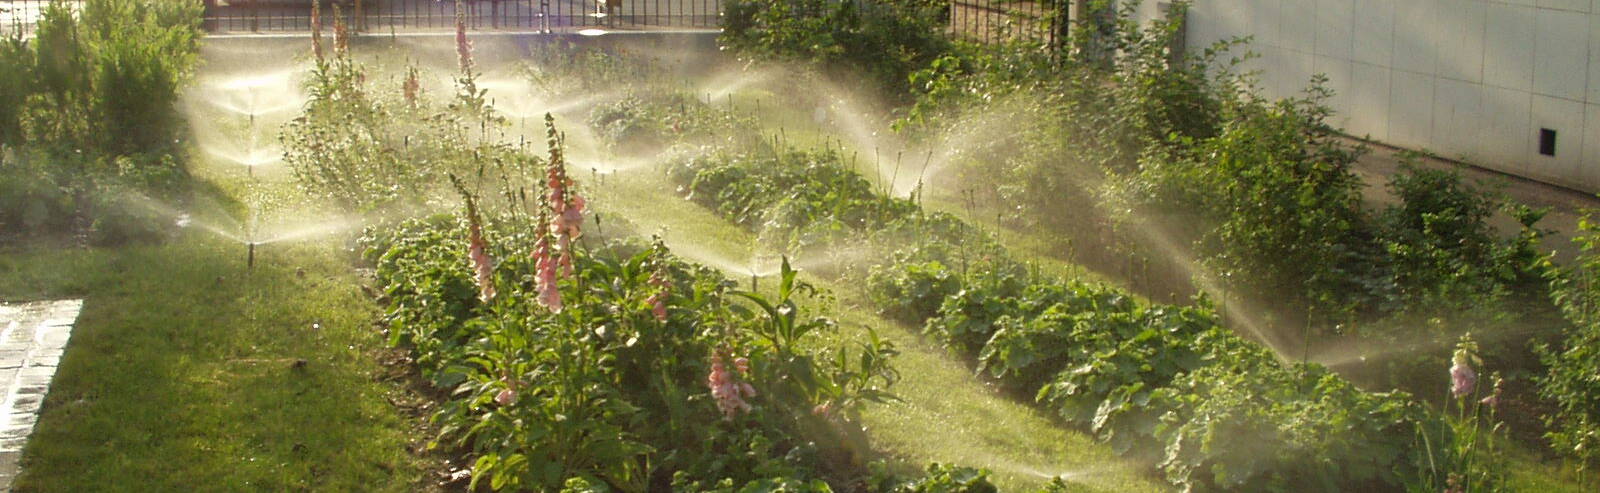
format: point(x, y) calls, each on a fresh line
point(1468, 79)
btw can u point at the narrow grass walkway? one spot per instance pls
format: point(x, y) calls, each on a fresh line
point(188, 372)
point(948, 415)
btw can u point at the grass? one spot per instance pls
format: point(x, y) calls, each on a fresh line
point(182, 372)
point(947, 414)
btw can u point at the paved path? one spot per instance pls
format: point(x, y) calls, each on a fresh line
point(32, 338)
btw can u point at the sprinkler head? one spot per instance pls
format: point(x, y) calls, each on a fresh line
point(250, 259)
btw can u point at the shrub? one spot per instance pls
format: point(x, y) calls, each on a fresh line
point(649, 122)
point(1276, 429)
point(605, 366)
point(107, 78)
point(1276, 186)
point(15, 86)
point(1442, 251)
point(911, 292)
point(87, 119)
point(943, 478)
point(33, 195)
point(1572, 378)
point(794, 199)
point(884, 42)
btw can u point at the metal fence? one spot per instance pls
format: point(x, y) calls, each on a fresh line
point(981, 20)
point(245, 16)
point(1003, 20)
point(20, 16)
point(267, 16)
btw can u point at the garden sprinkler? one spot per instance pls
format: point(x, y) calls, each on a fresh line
point(250, 259)
point(249, 168)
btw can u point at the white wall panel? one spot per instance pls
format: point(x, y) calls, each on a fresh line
point(1573, 5)
point(1471, 79)
point(1566, 118)
point(1589, 170)
point(1457, 118)
point(1593, 85)
point(1414, 40)
point(1298, 25)
point(1506, 116)
point(1334, 24)
point(1459, 31)
point(1560, 54)
point(1368, 101)
point(1374, 32)
point(1508, 46)
point(1269, 21)
point(1410, 109)
point(1339, 73)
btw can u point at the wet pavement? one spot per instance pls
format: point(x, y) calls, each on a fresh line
point(33, 337)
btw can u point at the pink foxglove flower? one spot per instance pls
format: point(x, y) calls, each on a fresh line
point(482, 265)
point(1493, 399)
point(463, 47)
point(826, 410)
point(1452, 484)
point(412, 87)
point(1462, 378)
point(477, 247)
point(727, 387)
point(506, 397)
point(546, 274)
point(316, 29)
point(658, 300)
point(341, 32)
point(564, 202)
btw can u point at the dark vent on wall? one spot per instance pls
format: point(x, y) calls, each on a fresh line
point(1547, 142)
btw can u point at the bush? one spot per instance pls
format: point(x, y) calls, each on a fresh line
point(605, 366)
point(647, 123)
point(794, 199)
point(942, 478)
point(584, 369)
point(1277, 186)
point(882, 41)
point(33, 197)
point(16, 83)
point(107, 79)
point(1298, 429)
point(87, 119)
point(1442, 252)
point(1572, 378)
point(110, 204)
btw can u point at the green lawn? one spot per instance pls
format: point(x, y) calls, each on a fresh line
point(182, 372)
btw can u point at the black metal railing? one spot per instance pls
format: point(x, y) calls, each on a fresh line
point(374, 16)
point(266, 16)
point(1002, 20)
point(20, 16)
point(982, 20)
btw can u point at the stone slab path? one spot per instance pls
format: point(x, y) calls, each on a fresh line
point(32, 339)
